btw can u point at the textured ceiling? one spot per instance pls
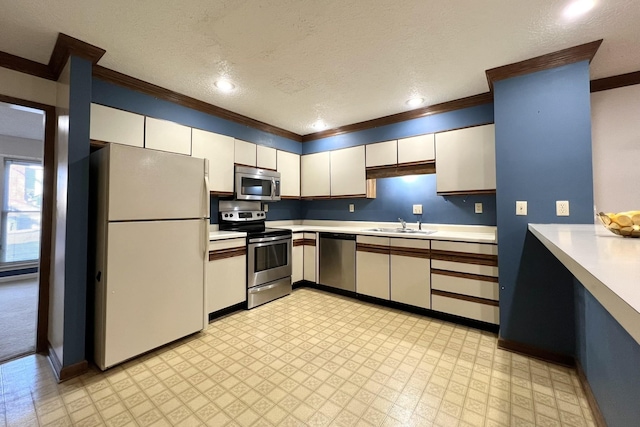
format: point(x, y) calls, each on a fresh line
point(297, 61)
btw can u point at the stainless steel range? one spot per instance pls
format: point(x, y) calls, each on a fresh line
point(268, 251)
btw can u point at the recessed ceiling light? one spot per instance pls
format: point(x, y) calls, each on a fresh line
point(224, 85)
point(319, 125)
point(414, 102)
point(578, 7)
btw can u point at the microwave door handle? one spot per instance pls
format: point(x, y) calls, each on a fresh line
point(273, 188)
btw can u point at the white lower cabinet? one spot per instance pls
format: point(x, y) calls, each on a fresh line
point(297, 258)
point(226, 274)
point(464, 280)
point(372, 266)
point(309, 255)
point(411, 272)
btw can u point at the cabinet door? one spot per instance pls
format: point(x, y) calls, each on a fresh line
point(289, 168)
point(348, 175)
point(372, 266)
point(218, 149)
point(411, 272)
point(112, 125)
point(419, 148)
point(466, 160)
point(266, 157)
point(382, 153)
point(226, 276)
point(167, 136)
point(297, 258)
point(315, 174)
point(310, 257)
point(245, 153)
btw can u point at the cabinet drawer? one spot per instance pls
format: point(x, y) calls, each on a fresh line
point(410, 243)
point(221, 249)
point(483, 270)
point(370, 240)
point(472, 248)
point(476, 287)
point(464, 308)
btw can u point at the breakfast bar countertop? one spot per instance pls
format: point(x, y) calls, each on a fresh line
point(606, 264)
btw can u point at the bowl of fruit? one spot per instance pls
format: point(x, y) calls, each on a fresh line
point(626, 224)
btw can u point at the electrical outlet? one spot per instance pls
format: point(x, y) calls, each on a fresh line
point(352, 207)
point(478, 207)
point(562, 208)
point(417, 209)
point(265, 207)
point(521, 207)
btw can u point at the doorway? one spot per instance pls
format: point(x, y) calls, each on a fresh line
point(22, 135)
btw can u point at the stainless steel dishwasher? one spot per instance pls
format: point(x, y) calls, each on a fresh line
point(338, 261)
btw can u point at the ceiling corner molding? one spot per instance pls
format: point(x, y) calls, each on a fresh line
point(67, 46)
point(137, 85)
point(551, 60)
point(457, 104)
point(614, 82)
point(26, 66)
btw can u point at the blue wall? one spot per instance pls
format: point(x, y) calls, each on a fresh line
point(473, 116)
point(543, 154)
point(395, 197)
point(116, 96)
point(610, 358)
point(75, 289)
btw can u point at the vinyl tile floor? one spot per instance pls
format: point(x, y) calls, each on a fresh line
point(309, 359)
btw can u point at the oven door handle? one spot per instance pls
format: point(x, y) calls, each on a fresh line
point(268, 239)
point(262, 288)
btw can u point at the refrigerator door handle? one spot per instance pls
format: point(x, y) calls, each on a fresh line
point(205, 241)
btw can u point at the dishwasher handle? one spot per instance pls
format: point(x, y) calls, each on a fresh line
point(338, 236)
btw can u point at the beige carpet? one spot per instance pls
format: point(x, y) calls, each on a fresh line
point(18, 313)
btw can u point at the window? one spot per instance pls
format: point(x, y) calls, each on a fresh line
point(21, 211)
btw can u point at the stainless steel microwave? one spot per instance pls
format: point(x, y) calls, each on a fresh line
point(257, 184)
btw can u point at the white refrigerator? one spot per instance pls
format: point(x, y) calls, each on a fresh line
point(152, 213)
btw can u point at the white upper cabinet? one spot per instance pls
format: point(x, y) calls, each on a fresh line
point(382, 153)
point(218, 149)
point(466, 160)
point(112, 125)
point(245, 153)
point(315, 170)
point(167, 136)
point(348, 175)
point(419, 148)
point(289, 168)
point(266, 157)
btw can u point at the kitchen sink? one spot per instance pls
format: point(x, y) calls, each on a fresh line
point(401, 230)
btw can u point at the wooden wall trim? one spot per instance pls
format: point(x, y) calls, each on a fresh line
point(535, 352)
point(465, 298)
point(598, 418)
point(464, 257)
point(26, 66)
point(410, 252)
point(551, 60)
point(615, 82)
point(64, 373)
point(374, 249)
point(67, 46)
point(298, 242)
point(227, 253)
point(491, 279)
point(457, 104)
point(141, 86)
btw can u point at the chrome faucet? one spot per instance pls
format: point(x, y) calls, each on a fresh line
point(403, 223)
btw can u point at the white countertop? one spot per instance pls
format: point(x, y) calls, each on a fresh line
point(220, 235)
point(463, 233)
point(606, 264)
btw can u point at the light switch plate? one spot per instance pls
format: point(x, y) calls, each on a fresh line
point(417, 209)
point(478, 208)
point(521, 207)
point(265, 207)
point(352, 207)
